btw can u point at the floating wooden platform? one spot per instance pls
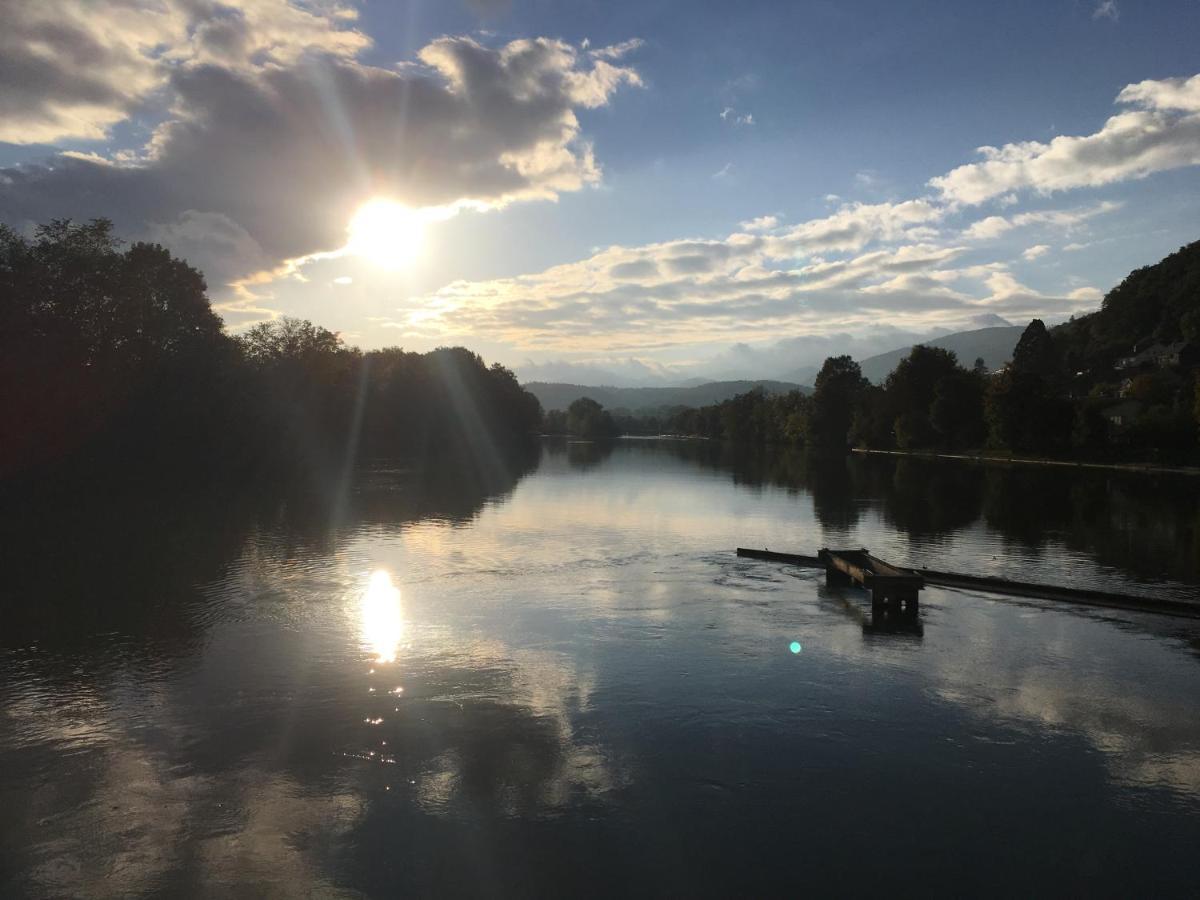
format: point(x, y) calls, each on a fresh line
point(889, 585)
point(1161, 605)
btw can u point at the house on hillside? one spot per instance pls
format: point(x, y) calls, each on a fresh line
point(1124, 413)
point(1162, 356)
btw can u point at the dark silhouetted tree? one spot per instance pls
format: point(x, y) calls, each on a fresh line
point(1035, 353)
point(836, 393)
point(588, 419)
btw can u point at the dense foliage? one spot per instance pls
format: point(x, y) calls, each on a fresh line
point(112, 355)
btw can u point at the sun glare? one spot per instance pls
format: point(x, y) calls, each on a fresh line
point(386, 233)
point(382, 621)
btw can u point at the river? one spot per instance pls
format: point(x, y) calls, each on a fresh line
point(552, 676)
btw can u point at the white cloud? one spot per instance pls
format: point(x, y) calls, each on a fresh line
point(762, 223)
point(1168, 94)
point(840, 273)
point(1160, 131)
point(731, 115)
point(854, 225)
point(1066, 220)
point(986, 229)
point(1106, 9)
point(1036, 251)
point(1086, 294)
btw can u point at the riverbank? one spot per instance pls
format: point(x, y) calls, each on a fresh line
point(1028, 461)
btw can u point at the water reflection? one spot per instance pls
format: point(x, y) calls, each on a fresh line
point(382, 621)
point(596, 695)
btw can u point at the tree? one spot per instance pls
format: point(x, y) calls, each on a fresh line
point(102, 345)
point(956, 413)
point(873, 425)
point(1035, 353)
point(911, 390)
point(913, 383)
point(288, 339)
point(836, 393)
point(588, 419)
point(1024, 415)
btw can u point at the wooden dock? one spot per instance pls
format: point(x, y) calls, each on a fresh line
point(1160, 605)
point(890, 586)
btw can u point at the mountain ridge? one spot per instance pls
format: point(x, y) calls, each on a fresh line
point(560, 395)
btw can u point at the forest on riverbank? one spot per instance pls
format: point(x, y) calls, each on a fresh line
point(1122, 383)
point(114, 364)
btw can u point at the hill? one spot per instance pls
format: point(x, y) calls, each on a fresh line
point(555, 395)
point(995, 345)
point(1154, 304)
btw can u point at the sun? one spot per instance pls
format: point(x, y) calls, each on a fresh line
point(386, 233)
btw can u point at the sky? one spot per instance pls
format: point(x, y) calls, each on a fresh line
point(618, 192)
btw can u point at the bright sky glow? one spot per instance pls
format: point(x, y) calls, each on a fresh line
point(386, 233)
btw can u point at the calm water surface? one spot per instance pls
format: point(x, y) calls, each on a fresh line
point(561, 681)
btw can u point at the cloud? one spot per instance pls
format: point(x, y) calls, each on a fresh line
point(724, 172)
point(1066, 220)
point(842, 273)
point(284, 154)
point(986, 229)
point(731, 115)
point(73, 68)
point(762, 223)
point(1036, 251)
point(854, 225)
point(1106, 9)
point(1159, 130)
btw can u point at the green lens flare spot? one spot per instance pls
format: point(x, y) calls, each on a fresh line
point(795, 647)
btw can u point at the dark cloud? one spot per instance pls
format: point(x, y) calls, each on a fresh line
point(74, 68)
point(288, 153)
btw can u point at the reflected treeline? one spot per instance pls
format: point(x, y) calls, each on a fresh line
point(1145, 523)
point(580, 454)
point(128, 562)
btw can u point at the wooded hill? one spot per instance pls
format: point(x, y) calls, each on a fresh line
point(1158, 304)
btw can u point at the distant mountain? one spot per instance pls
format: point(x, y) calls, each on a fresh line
point(995, 345)
point(560, 396)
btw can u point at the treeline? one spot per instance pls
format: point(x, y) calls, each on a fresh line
point(1122, 383)
point(932, 403)
point(112, 359)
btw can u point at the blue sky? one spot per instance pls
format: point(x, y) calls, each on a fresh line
point(603, 226)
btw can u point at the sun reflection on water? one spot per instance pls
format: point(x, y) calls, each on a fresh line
point(381, 619)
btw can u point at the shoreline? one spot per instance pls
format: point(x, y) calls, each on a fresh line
point(1147, 468)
